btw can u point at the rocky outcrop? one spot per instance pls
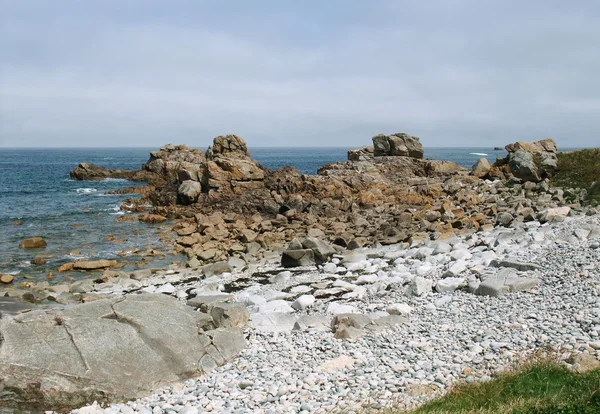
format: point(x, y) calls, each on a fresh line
point(399, 144)
point(109, 350)
point(89, 172)
point(527, 161)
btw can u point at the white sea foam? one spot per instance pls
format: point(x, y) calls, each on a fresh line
point(86, 190)
point(118, 213)
point(115, 179)
point(478, 153)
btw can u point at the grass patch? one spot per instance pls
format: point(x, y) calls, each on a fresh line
point(579, 169)
point(538, 386)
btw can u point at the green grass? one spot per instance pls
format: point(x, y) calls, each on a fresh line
point(579, 169)
point(540, 386)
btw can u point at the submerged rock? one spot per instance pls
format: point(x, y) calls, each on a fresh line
point(33, 243)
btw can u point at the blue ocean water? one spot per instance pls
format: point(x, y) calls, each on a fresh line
point(36, 191)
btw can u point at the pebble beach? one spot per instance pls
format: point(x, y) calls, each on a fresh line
point(443, 334)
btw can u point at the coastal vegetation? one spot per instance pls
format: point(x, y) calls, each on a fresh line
point(540, 385)
point(579, 169)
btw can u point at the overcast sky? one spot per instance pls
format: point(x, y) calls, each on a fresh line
point(483, 73)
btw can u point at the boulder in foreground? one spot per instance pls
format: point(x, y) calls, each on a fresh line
point(107, 350)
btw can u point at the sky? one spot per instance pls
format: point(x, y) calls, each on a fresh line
point(144, 73)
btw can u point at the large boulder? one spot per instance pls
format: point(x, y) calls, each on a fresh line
point(523, 166)
point(106, 350)
point(481, 168)
point(399, 144)
point(188, 192)
point(532, 161)
point(545, 145)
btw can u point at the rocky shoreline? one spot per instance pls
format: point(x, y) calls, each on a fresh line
point(387, 275)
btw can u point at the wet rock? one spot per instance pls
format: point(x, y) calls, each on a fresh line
point(151, 218)
point(33, 243)
point(93, 264)
point(6, 279)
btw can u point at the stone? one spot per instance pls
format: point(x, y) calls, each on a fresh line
point(272, 322)
point(6, 279)
point(335, 308)
point(151, 218)
point(303, 302)
point(398, 144)
point(83, 286)
point(33, 243)
point(229, 315)
point(481, 168)
point(450, 284)
point(503, 281)
point(551, 213)
point(106, 350)
point(188, 192)
point(583, 363)
point(337, 364)
point(505, 219)
point(217, 268)
point(399, 309)
point(94, 264)
point(522, 165)
point(514, 264)
point(319, 323)
point(205, 302)
point(295, 258)
point(420, 286)
point(322, 251)
point(276, 306)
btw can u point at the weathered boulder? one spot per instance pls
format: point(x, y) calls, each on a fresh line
point(106, 350)
point(545, 145)
point(298, 257)
point(230, 145)
point(497, 283)
point(522, 165)
point(532, 161)
point(188, 192)
point(399, 144)
point(481, 168)
point(33, 243)
point(322, 250)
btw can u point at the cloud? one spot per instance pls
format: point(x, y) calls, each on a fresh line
point(134, 73)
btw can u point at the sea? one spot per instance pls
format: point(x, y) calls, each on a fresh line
point(78, 219)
